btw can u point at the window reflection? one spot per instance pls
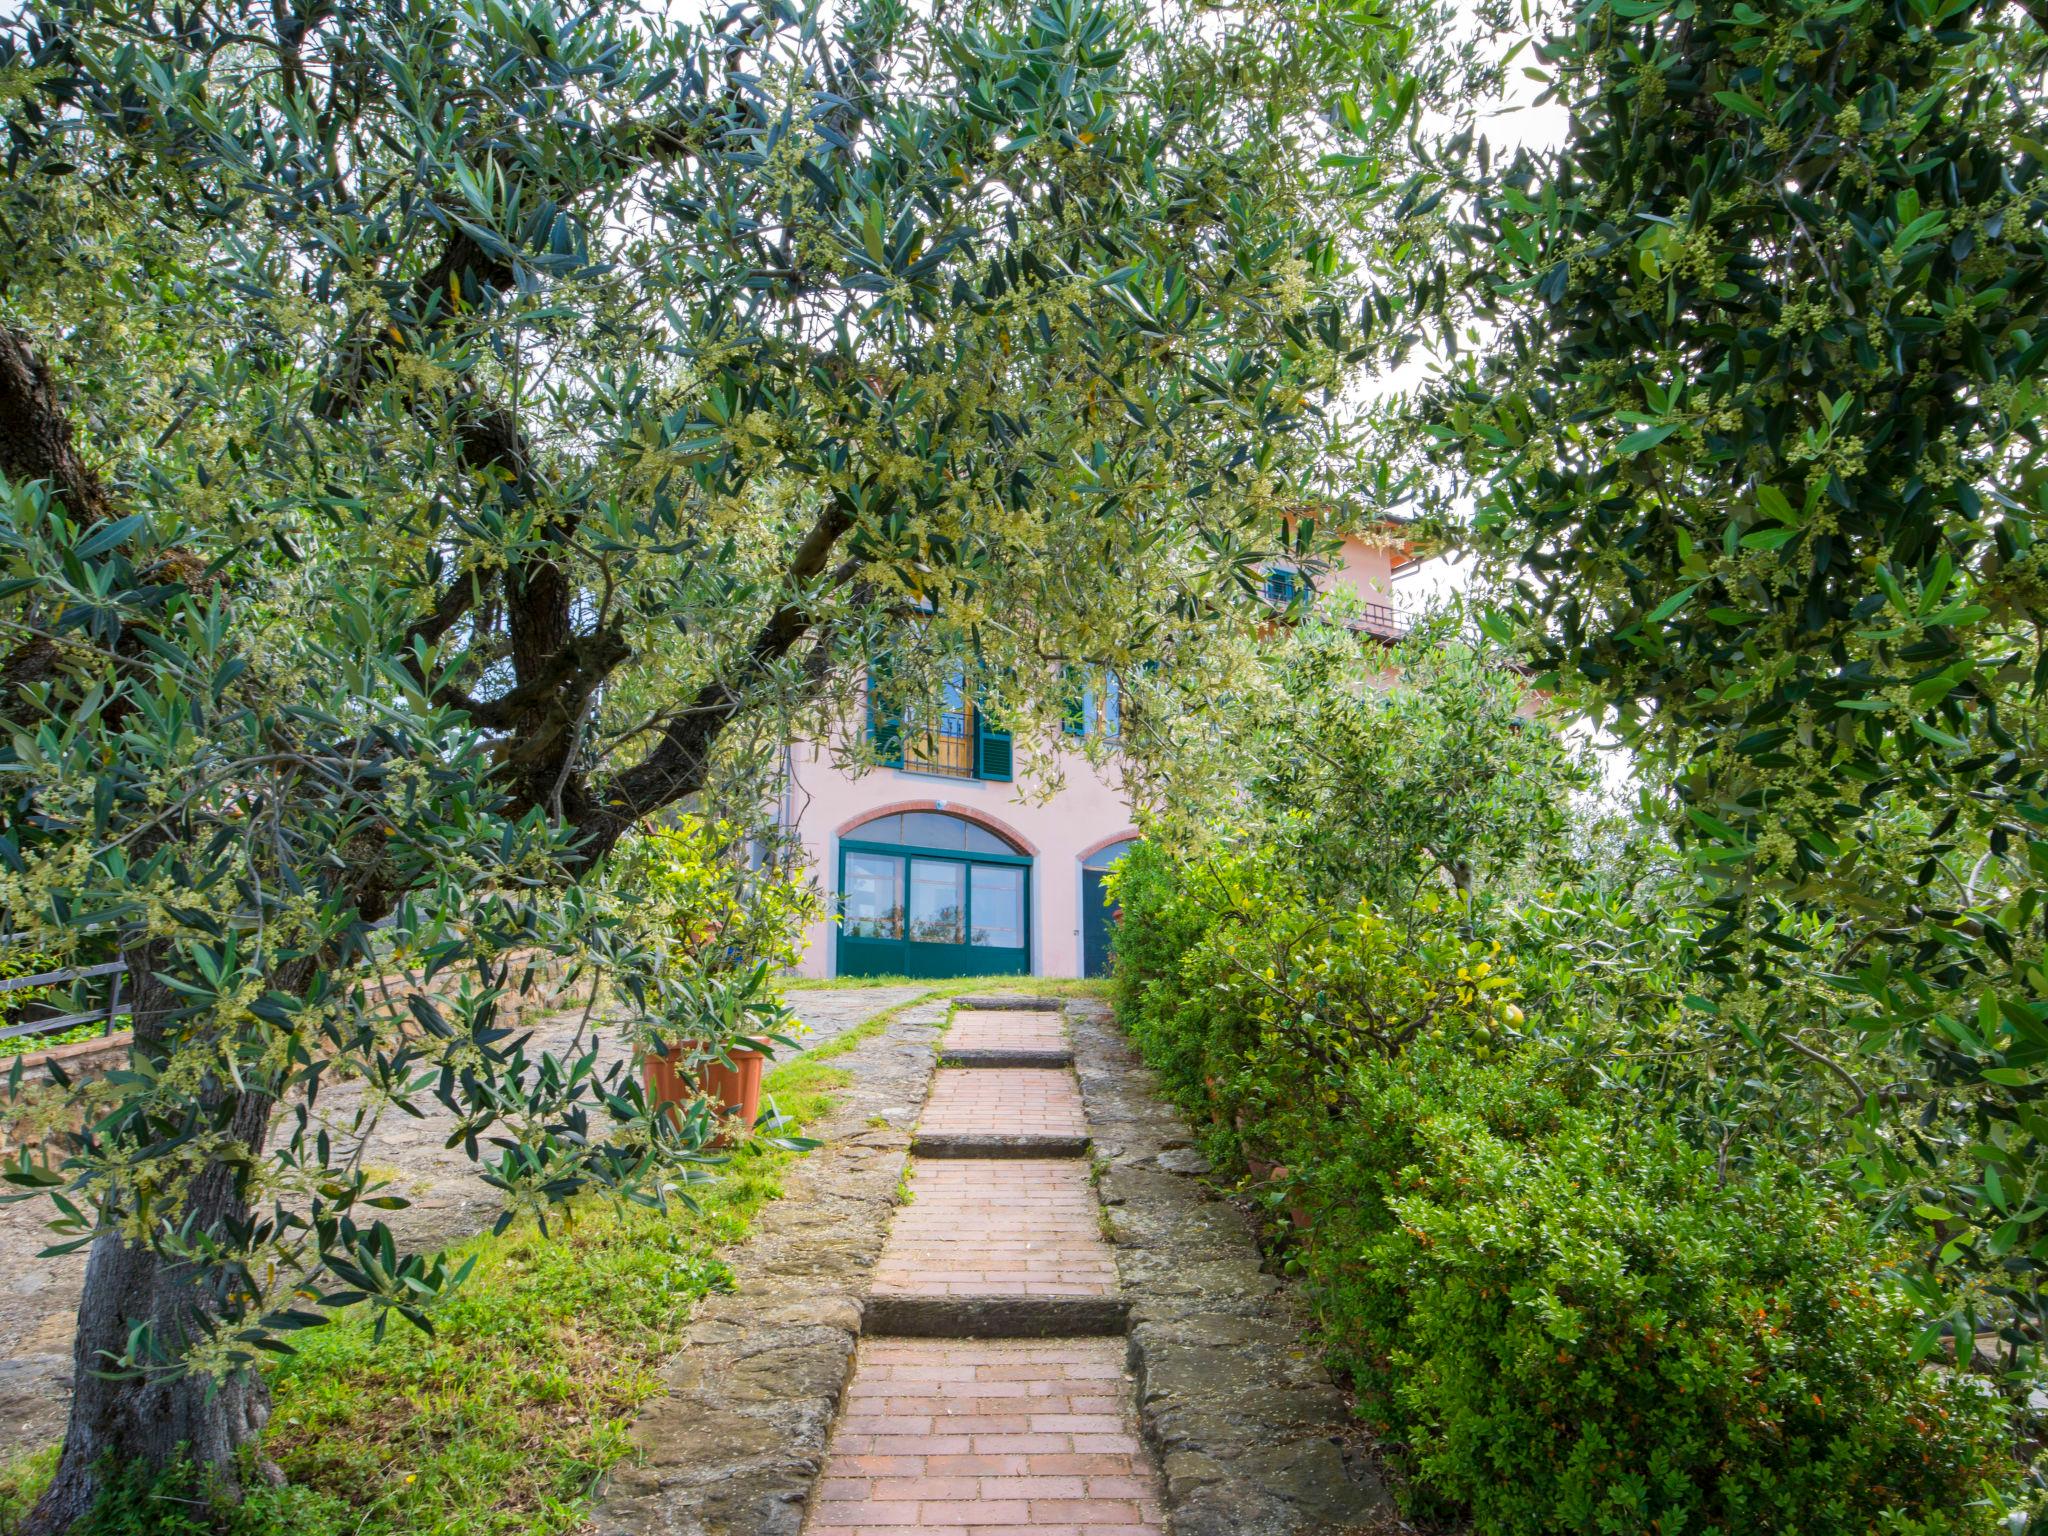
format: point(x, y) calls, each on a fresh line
point(998, 906)
point(874, 897)
point(938, 902)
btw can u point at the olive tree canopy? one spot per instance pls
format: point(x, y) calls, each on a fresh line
point(437, 436)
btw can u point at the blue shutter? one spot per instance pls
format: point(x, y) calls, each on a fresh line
point(1280, 585)
point(1112, 704)
point(991, 751)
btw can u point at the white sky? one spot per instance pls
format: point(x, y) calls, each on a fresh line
point(1515, 122)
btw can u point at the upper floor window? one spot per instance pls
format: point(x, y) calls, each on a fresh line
point(953, 740)
point(1095, 703)
point(1284, 584)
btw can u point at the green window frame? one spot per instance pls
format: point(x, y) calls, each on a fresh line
point(898, 953)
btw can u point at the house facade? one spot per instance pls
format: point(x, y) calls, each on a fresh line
point(938, 866)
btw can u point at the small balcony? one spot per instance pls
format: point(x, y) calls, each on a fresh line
point(947, 749)
point(1383, 621)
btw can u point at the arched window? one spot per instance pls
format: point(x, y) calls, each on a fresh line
point(1098, 913)
point(932, 829)
point(1106, 858)
point(922, 893)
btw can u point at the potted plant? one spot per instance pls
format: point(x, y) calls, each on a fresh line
point(730, 1078)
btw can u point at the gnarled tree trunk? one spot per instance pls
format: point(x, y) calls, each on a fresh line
point(120, 1421)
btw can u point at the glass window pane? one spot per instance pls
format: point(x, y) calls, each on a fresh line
point(1105, 858)
point(938, 902)
point(953, 706)
point(929, 829)
point(1112, 706)
point(981, 840)
point(874, 897)
point(998, 906)
point(883, 829)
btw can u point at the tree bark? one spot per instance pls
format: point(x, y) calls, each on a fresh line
point(119, 1422)
point(37, 443)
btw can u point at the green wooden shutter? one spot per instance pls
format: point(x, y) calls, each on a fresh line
point(991, 751)
point(885, 719)
point(1079, 706)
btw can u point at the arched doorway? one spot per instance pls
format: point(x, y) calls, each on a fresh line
point(1098, 912)
point(924, 893)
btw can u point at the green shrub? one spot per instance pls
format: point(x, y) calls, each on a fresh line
point(1558, 1313)
point(1594, 1333)
point(1249, 1000)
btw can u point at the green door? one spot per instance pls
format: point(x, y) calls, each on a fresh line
point(1098, 911)
point(932, 912)
point(1098, 923)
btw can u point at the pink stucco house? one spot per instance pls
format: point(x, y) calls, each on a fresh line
point(940, 867)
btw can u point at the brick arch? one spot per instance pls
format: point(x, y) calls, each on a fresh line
point(1128, 835)
point(980, 818)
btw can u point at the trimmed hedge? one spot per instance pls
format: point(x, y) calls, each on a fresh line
point(1559, 1315)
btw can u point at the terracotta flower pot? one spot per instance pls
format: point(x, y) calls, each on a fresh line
point(1216, 1115)
point(734, 1090)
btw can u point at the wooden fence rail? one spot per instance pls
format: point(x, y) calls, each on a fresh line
point(114, 1009)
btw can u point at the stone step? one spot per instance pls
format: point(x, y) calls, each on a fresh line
point(999, 1058)
point(1025, 1004)
point(1006, 1038)
point(987, 1250)
point(982, 1147)
point(995, 1317)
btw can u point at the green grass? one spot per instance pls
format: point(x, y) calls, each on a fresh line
point(21, 1045)
point(22, 1481)
point(501, 1423)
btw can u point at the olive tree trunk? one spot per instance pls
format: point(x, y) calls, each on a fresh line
point(118, 1422)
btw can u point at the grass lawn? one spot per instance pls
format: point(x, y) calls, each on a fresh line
point(503, 1421)
point(1031, 986)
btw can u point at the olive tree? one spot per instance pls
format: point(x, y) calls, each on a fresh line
point(437, 437)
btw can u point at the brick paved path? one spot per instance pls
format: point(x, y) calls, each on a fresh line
point(955, 1437)
point(1003, 1101)
point(1006, 1029)
point(967, 1434)
point(996, 1227)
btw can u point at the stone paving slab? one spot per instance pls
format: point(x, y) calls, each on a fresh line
point(1253, 1437)
point(954, 1437)
point(996, 1317)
